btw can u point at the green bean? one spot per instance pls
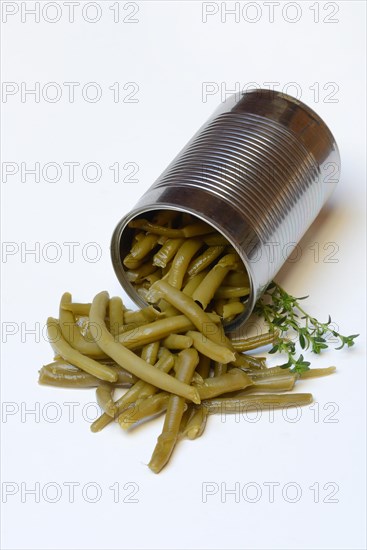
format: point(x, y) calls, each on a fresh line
point(132, 263)
point(139, 236)
point(229, 249)
point(314, 373)
point(140, 250)
point(249, 362)
point(286, 383)
point(130, 327)
point(193, 230)
point(162, 350)
point(145, 285)
point(76, 308)
point(82, 323)
point(211, 349)
point(104, 394)
point(197, 379)
point(186, 364)
point(259, 402)
point(186, 305)
point(71, 332)
point(167, 309)
point(193, 283)
point(150, 353)
point(63, 374)
point(139, 390)
point(218, 306)
point(162, 239)
point(254, 342)
point(233, 380)
point(62, 367)
point(116, 315)
point(151, 332)
point(216, 319)
point(165, 217)
point(165, 270)
point(153, 277)
point(232, 308)
point(196, 422)
point(236, 278)
point(127, 359)
point(204, 260)
point(146, 314)
point(268, 373)
point(190, 409)
point(219, 368)
point(232, 292)
point(139, 274)
point(209, 285)
point(203, 368)
point(181, 262)
point(215, 239)
point(177, 341)
point(61, 346)
point(269, 377)
point(144, 408)
point(166, 253)
point(124, 377)
point(69, 376)
point(143, 292)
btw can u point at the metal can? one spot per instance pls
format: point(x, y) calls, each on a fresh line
point(258, 171)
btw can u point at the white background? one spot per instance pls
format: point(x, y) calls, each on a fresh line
point(169, 53)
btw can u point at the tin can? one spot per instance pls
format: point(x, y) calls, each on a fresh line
point(259, 171)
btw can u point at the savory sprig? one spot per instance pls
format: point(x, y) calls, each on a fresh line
point(283, 313)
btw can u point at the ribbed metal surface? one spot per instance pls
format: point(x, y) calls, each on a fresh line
point(254, 171)
point(253, 165)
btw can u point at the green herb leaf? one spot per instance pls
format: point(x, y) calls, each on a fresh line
point(283, 312)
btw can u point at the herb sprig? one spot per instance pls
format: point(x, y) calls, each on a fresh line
point(283, 313)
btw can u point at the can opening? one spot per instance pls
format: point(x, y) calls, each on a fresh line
point(137, 276)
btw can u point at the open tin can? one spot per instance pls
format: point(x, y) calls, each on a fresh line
point(259, 171)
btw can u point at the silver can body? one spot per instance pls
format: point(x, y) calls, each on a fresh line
point(259, 171)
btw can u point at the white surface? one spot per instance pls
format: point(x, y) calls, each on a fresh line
point(169, 53)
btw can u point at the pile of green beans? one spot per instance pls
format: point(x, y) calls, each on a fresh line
point(190, 256)
point(172, 357)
